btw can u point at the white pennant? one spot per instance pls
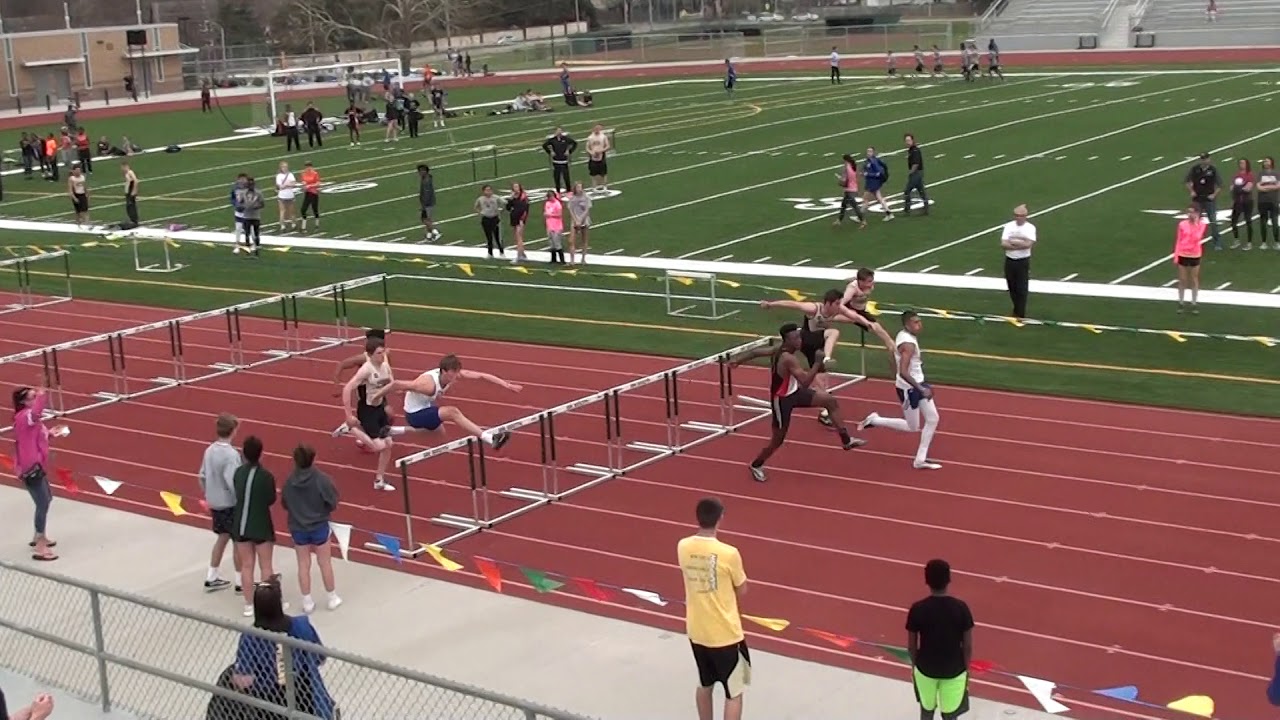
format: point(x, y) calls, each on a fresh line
point(1042, 691)
point(108, 485)
point(343, 533)
point(647, 596)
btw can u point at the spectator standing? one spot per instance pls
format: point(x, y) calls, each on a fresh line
point(259, 671)
point(253, 202)
point(1188, 247)
point(940, 641)
point(559, 147)
point(517, 207)
point(915, 177)
point(206, 98)
point(253, 531)
point(848, 179)
point(714, 582)
point(31, 460)
point(1269, 203)
point(489, 207)
point(39, 709)
point(1017, 239)
point(427, 202)
point(580, 214)
point(835, 65)
point(1242, 186)
point(292, 136)
point(1204, 182)
point(311, 119)
point(217, 473)
point(309, 499)
point(553, 215)
point(130, 194)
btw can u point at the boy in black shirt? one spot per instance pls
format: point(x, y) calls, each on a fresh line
point(437, 106)
point(940, 641)
point(559, 147)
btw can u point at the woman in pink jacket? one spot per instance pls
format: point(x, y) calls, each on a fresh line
point(553, 214)
point(31, 461)
point(1188, 248)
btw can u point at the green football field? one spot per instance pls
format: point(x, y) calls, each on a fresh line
point(1098, 158)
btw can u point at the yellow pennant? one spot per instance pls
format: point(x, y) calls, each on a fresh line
point(774, 624)
point(872, 306)
point(794, 295)
point(520, 269)
point(1013, 321)
point(683, 280)
point(1201, 705)
point(438, 554)
point(36, 249)
point(173, 501)
point(466, 269)
point(1092, 329)
point(628, 276)
point(1177, 337)
point(1269, 342)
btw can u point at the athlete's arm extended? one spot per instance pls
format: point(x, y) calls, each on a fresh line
point(749, 355)
point(349, 397)
point(873, 327)
point(789, 366)
point(423, 385)
point(907, 351)
point(804, 307)
point(473, 375)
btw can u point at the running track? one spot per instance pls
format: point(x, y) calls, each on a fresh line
point(1098, 544)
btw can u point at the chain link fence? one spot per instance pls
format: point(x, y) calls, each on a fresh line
point(134, 655)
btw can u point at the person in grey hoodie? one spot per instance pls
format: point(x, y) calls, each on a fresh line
point(309, 498)
point(217, 468)
point(251, 204)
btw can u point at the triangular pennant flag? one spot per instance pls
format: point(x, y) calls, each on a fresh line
point(67, 480)
point(592, 589)
point(1092, 329)
point(1014, 321)
point(6, 462)
point(540, 581)
point(942, 313)
point(489, 569)
point(839, 641)
point(389, 543)
point(899, 652)
point(872, 307)
point(1201, 705)
point(1128, 693)
point(466, 269)
point(1177, 337)
point(646, 595)
point(438, 555)
point(977, 667)
point(108, 485)
point(1042, 691)
point(682, 280)
point(774, 624)
point(729, 283)
point(173, 501)
point(520, 269)
point(795, 295)
point(342, 532)
point(1268, 342)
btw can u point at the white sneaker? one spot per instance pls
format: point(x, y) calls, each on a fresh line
point(757, 473)
point(248, 611)
point(926, 465)
point(383, 485)
point(341, 430)
point(334, 602)
point(868, 421)
point(308, 606)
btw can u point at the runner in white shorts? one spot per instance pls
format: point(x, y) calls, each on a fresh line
point(421, 397)
point(914, 393)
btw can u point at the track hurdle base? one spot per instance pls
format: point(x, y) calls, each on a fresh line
point(165, 264)
point(694, 307)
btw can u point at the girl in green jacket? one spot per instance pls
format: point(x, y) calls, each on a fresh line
point(253, 531)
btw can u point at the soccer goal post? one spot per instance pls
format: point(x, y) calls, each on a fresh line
point(358, 80)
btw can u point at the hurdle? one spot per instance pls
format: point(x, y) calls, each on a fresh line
point(60, 363)
point(27, 298)
point(558, 477)
point(695, 310)
point(166, 265)
point(478, 154)
point(842, 380)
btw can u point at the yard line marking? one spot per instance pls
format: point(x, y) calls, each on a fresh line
point(1095, 193)
point(974, 271)
point(722, 258)
point(1061, 157)
point(997, 157)
point(1157, 158)
point(615, 251)
point(802, 261)
point(650, 253)
point(988, 168)
point(1070, 277)
point(1223, 286)
point(931, 268)
point(940, 155)
point(845, 263)
point(1126, 157)
point(766, 258)
point(1170, 283)
point(455, 242)
point(343, 236)
point(1093, 157)
point(1277, 290)
point(970, 157)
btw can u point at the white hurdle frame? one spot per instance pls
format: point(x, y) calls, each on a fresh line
point(27, 297)
point(689, 311)
point(168, 266)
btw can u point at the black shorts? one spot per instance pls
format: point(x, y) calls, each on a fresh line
point(374, 420)
point(1188, 261)
point(782, 407)
point(937, 67)
point(811, 343)
point(597, 168)
point(80, 203)
point(993, 68)
point(222, 520)
point(869, 316)
point(428, 213)
point(729, 667)
point(893, 71)
point(919, 67)
point(518, 219)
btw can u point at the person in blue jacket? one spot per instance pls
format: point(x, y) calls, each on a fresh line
point(257, 669)
point(875, 173)
point(1273, 688)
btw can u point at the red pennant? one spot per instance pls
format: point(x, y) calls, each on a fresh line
point(489, 569)
point(592, 589)
point(977, 667)
point(68, 482)
point(840, 641)
point(6, 462)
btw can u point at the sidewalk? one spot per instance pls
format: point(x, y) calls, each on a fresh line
point(583, 663)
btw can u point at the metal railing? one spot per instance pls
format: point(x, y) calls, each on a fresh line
point(131, 654)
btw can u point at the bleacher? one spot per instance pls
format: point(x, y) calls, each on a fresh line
point(1185, 22)
point(1045, 24)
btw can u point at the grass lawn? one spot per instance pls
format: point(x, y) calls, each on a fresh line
point(1099, 159)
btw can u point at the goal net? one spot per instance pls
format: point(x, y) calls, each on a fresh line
point(330, 87)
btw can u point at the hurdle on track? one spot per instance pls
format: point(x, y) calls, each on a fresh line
point(480, 153)
point(842, 380)
point(560, 478)
point(166, 264)
point(27, 298)
point(696, 310)
point(124, 385)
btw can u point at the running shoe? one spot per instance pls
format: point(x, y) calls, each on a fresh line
point(757, 473)
point(216, 584)
point(341, 430)
point(868, 421)
point(824, 417)
point(383, 485)
point(926, 465)
point(853, 442)
point(500, 439)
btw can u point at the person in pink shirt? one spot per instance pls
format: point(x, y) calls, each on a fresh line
point(553, 215)
point(31, 460)
point(848, 179)
point(1188, 248)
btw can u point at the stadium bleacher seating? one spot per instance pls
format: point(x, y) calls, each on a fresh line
point(1190, 14)
point(1047, 17)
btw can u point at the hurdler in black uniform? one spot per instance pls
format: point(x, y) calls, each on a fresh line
point(311, 118)
point(559, 147)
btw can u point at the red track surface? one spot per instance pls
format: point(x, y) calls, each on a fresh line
point(1098, 544)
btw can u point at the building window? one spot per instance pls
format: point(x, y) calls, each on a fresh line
point(84, 60)
point(9, 68)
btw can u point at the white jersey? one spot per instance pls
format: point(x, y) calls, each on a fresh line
point(416, 401)
point(285, 185)
point(376, 377)
point(916, 367)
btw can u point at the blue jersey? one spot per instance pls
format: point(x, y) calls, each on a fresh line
point(262, 659)
point(730, 75)
point(564, 81)
point(875, 170)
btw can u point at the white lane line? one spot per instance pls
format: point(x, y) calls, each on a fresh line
point(1223, 286)
point(1070, 277)
point(766, 258)
point(802, 261)
point(974, 271)
point(929, 269)
point(650, 253)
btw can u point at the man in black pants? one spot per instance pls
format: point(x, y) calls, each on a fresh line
point(1017, 239)
point(915, 177)
point(1269, 202)
point(1204, 182)
point(130, 194)
point(311, 119)
point(292, 138)
point(413, 109)
point(559, 147)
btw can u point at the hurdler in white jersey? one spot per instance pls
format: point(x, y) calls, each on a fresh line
point(914, 393)
point(422, 395)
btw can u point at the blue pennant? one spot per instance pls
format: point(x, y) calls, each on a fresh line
point(390, 544)
point(1128, 693)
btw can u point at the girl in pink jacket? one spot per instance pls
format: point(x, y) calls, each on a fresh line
point(31, 461)
point(553, 214)
point(1188, 248)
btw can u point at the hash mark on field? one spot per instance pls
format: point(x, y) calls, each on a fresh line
point(1093, 157)
point(940, 155)
point(1061, 157)
point(974, 271)
point(766, 258)
point(804, 261)
point(1223, 286)
point(1277, 290)
point(970, 156)
point(1166, 100)
point(722, 258)
point(1126, 157)
point(1157, 158)
point(343, 236)
point(828, 155)
point(1069, 278)
point(997, 157)
point(931, 268)
point(455, 242)
point(614, 251)
point(846, 263)
point(1171, 283)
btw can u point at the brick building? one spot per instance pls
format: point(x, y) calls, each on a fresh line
point(54, 65)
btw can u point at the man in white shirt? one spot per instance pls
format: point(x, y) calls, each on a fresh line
point(835, 66)
point(914, 393)
point(1017, 239)
point(598, 147)
point(286, 190)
